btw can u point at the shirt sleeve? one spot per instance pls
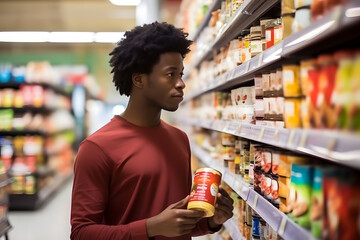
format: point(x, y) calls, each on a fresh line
point(92, 173)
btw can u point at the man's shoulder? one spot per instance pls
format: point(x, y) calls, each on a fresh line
point(174, 129)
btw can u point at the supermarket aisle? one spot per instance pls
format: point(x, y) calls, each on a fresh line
point(49, 222)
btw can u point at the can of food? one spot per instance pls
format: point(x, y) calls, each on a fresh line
point(204, 191)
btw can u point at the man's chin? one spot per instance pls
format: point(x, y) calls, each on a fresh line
point(171, 109)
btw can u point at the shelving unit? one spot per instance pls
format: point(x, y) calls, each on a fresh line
point(215, 5)
point(35, 201)
point(283, 225)
point(51, 180)
point(336, 146)
point(5, 225)
point(333, 31)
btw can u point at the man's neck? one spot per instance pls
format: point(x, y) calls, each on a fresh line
point(141, 116)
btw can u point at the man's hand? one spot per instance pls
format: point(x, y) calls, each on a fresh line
point(174, 220)
point(223, 209)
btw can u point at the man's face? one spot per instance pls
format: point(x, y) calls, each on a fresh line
point(164, 86)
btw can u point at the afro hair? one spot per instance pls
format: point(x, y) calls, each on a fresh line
point(140, 49)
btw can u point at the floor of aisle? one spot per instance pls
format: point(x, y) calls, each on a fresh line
point(51, 221)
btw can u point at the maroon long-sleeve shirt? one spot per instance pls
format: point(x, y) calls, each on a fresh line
point(124, 174)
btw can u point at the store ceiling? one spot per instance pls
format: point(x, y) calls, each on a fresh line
point(65, 15)
point(73, 15)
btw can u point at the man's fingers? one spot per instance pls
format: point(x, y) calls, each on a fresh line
point(224, 197)
point(223, 192)
point(180, 204)
point(190, 213)
point(224, 208)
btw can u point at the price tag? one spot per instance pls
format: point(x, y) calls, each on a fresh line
point(247, 66)
point(240, 186)
point(232, 127)
point(232, 73)
point(260, 59)
point(231, 181)
point(276, 134)
point(261, 135)
point(223, 80)
point(218, 125)
point(225, 127)
point(291, 137)
point(336, 14)
point(282, 226)
point(255, 201)
point(303, 139)
point(332, 144)
point(238, 130)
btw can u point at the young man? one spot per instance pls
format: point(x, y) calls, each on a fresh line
point(132, 176)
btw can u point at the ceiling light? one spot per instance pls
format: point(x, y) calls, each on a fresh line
point(108, 37)
point(74, 37)
point(125, 2)
point(61, 37)
point(24, 36)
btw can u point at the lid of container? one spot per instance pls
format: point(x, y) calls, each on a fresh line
point(341, 54)
point(255, 29)
point(245, 32)
point(325, 59)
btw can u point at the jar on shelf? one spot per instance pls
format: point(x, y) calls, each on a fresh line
point(287, 21)
point(245, 52)
point(256, 42)
point(291, 82)
point(269, 33)
point(341, 97)
point(328, 65)
point(302, 19)
point(355, 95)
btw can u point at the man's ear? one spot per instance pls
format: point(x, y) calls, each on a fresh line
point(138, 80)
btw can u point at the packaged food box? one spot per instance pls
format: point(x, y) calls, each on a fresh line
point(300, 200)
point(317, 202)
point(341, 188)
point(284, 206)
point(291, 80)
point(284, 186)
point(292, 113)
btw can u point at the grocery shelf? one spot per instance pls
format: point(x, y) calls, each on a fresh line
point(269, 59)
point(22, 132)
point(35, 201)
point(337, 146)
point(233, 229)
point(33, 132)
point(58, 89)
point(33, 109)
point(239, 21)
point(333, 29)
point(277, 220)
point(4, 227)
point(216, 4)
point(281, 223)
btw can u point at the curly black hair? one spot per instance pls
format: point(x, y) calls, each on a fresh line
point(140, 49)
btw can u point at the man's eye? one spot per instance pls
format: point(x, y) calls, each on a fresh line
point(170, 74)
point(181, 75)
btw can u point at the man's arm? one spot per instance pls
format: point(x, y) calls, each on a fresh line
point(92, 171)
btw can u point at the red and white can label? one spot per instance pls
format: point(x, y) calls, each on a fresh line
point(205, 187)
